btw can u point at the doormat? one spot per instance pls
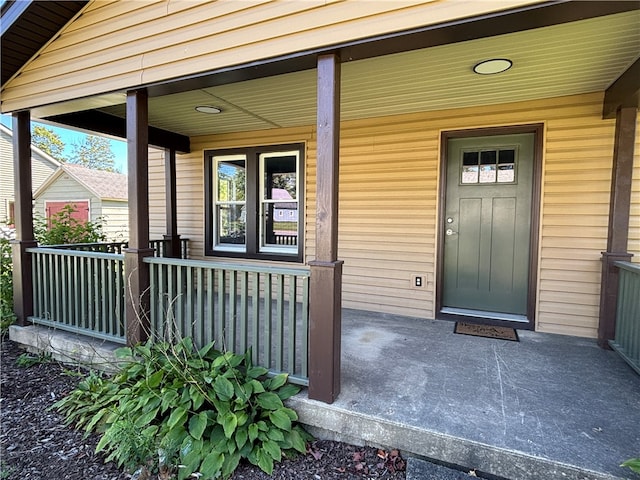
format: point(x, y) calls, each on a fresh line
point(489, 331)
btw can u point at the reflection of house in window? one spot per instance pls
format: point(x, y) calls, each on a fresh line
point(284, 211)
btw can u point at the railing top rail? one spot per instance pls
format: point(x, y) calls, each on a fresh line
point(632, 267)
point(303, 271)
point(71, 246)
point(76, 253)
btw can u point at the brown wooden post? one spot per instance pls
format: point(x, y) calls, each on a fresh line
point(173, 250)
point(22, 273)
point(326, 270)
point(136, 271)
point(619, 209)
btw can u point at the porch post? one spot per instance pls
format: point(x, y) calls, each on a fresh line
point(172, 236)
point(23, 211)
point(619, 209)
point(326, 270)
point(136, 271)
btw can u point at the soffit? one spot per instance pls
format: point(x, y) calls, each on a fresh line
point(573, 58)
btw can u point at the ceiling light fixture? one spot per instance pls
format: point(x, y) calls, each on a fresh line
point(492, 66)
point(208, 109)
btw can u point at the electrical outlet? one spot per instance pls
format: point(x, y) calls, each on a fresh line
point(417, 281)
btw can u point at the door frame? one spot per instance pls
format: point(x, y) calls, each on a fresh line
point(538, 142)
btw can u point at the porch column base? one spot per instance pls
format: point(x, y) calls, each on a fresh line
point(137, 324)
point(609, 296)
point(325, 328)
point(22, 280)
point(174, 249)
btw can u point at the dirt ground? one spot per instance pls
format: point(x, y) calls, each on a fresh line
point(35, 444)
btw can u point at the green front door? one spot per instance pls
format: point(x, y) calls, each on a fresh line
point(487, 226)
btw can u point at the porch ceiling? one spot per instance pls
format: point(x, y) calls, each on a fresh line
point(572, 58)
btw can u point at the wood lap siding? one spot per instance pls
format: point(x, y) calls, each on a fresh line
point(118, 45)
point(634, 221)
point(388, 204)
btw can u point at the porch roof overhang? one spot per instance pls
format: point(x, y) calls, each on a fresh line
point(262, 94)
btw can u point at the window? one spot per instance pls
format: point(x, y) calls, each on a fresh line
point(254, 202)
point(488, 166)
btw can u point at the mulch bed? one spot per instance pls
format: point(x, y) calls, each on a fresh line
point(36, 445)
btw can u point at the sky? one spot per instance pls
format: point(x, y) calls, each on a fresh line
point(71, 137)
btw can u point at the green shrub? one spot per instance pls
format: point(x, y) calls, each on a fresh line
point(176, 408)
point(6, 286)
point(65, 229)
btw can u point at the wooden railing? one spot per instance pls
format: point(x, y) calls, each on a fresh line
point(237, 306)
point(627, 340)
point(159, 247)
point(79, 291)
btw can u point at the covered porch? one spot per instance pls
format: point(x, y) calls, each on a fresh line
point(548, 406)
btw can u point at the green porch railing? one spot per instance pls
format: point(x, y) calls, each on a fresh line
point(627, 340)
point(79, 291)
point(159, 247)
point(237, 306)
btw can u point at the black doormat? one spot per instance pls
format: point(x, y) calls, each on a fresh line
point(489, 331)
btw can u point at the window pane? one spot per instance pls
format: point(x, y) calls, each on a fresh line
point(231, 180)
point(280, 177)
point(279, 209)
point(488, 166)
point(231, 224)
point(470, 167)
point(280, 224)
point(506, 166)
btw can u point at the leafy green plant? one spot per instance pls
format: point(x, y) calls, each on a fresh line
point(633, 464)
point(6, 286)
point(189, 410)
point(65, 229)
point(27, 360)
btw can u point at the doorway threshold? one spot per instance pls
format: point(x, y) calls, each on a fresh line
point(465, 312)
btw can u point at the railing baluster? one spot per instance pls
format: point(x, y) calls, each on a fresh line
point(255, 309)
point(304, 332)
point(199, 309)
point(267, 321)
point(233, 310)
point(292, 337)
point(210, 309)
point(244, 311)
point(221, 317)
point(279, 322)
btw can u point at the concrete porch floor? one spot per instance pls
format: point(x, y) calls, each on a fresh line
point(547, 407)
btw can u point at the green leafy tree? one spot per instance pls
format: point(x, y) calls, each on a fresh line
point(94, 152)
point(48, 141)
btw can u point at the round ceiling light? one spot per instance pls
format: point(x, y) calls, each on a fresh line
point(208, 109)
point(492, 66)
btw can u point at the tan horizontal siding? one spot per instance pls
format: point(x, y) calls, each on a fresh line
point(116, 220)
point(113, 46)
point(634, 219)
point(389, 195)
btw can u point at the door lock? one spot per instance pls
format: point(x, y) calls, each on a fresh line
point(450, 232)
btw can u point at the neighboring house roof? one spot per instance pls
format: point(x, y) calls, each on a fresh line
point(102, 184)
point(36, 152)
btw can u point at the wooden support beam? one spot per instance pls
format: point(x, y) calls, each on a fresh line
point(22, 275)
point(173, 250)
point(619, 211)
point(97, 121)
point(623, 93)
point(136, 271)
point(326, 270)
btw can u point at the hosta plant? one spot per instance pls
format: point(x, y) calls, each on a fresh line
point(175, 409)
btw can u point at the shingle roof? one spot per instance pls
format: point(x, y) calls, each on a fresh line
point(102, 184)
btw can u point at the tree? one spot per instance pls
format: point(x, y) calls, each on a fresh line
point(48, 141)
point(94, 152)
